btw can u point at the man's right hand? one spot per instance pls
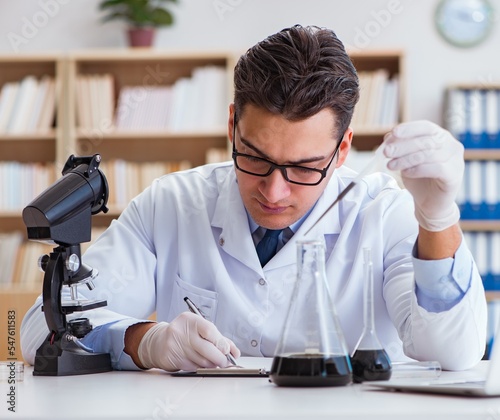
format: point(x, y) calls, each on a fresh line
point(186, 343)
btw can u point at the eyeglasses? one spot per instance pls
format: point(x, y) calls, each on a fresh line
point(294, 174)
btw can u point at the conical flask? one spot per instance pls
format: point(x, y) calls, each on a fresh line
point(370, 361)
point(312, 350)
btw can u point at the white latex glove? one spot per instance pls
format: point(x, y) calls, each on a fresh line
point(188, 342)
point(431, 162)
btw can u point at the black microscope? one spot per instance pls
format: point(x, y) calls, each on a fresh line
point(61, 215)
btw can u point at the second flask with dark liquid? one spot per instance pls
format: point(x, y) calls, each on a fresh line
point(370, 362)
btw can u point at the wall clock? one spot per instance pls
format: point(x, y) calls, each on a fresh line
point(464, 23)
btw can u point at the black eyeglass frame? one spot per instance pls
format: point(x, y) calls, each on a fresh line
point(282, 168)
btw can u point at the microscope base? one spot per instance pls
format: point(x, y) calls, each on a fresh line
point(51, 360)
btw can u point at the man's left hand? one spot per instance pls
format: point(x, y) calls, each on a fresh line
point(431, 162)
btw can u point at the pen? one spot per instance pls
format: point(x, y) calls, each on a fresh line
point(194, 309)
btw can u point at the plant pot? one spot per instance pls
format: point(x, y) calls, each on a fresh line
point(141, 37)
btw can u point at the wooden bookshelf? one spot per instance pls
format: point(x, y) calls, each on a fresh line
point(480, 225)
point(470, 113)
point(128, 67)
point(369, 136)
point(144, 68)
point(36, 146)
point(482, 154)
point(32, 147)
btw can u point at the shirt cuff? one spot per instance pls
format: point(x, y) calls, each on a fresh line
point(110, 338)
point(441, 284)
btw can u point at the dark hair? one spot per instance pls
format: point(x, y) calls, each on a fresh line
point(298, 72)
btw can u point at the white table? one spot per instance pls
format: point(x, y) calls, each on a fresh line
point(157, 395)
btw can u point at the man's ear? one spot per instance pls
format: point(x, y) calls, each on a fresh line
point(230, 123)
point(344, 148)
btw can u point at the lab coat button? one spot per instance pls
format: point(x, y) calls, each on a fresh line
point(262, 282)
point(254, 343)
point(221, 241)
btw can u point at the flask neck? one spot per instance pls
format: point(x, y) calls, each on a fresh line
point(368, 307)
point(310, 257)
point(369, 338)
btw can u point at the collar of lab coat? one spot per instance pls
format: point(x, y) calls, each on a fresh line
point(236, 239)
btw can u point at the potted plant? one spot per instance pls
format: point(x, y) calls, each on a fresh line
point(141, 16)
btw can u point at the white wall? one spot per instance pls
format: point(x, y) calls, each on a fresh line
point(63, 25)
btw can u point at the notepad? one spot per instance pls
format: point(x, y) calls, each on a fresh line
point(234, 372)
point(253, 367)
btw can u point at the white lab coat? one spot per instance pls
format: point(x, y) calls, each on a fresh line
point(188, 235)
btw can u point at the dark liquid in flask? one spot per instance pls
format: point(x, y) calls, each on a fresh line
point(311, 370)
point(371, 365)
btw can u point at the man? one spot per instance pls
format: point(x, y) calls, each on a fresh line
point(195, 233)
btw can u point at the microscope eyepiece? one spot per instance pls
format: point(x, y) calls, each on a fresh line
point(62, 213)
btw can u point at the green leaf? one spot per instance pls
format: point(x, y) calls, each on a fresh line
point(139, 12)
point(112, 16)
point(109, 3)
point(161, 17)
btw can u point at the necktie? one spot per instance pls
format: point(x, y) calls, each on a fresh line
point(266, 248)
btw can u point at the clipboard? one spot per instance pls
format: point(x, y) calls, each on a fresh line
point(233, 372)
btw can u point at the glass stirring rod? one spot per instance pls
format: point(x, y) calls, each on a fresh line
point(372, 165)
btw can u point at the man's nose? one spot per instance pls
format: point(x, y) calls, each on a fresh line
point(275, 187)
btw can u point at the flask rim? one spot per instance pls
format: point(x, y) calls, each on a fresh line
point(309, 242)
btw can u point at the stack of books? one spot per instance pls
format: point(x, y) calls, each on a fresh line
point(193, 103)
point(27, 106)
point(22, 182)
point(479, 196)
point(472, 116)
point(378, 106)
point(128, 179)
point(9, 248)
point(95, 101)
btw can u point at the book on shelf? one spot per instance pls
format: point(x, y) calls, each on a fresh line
point(472, 116)
point(7, 99)
point(378, 105)
point(27, 106)
point(31, 120)
point(22, 182)
point(141, 108)
point(95, 101)
point(128, 179)
point(82, 94)
point(479, 195)
point(22, 106)
point(389, 112)
point(9, 246)
point(193, 103)
point(45, 120)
